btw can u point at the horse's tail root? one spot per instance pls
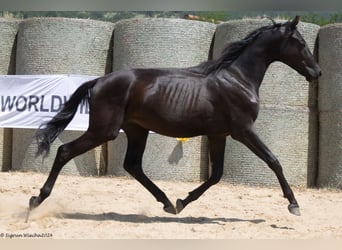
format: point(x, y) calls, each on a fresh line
point(48, 132)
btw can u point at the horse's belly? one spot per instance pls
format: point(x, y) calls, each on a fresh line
point(180, 124)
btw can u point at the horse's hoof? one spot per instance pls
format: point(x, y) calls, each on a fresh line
point(170, 209)
point(294, 209)
point(179, 206)
point(34, 202)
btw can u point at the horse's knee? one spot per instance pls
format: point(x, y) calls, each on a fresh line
point(275, 165)
point(133, 170)
point(215, 176)
point(133, 162)
point(132, 166)
point(128, 168)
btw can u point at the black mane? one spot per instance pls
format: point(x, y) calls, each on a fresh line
point(230, 53)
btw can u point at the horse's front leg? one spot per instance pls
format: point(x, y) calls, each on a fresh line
point(250, 139)
point(216, 149)
point(136, 142)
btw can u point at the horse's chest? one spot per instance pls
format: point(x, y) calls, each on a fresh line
point(241, 107)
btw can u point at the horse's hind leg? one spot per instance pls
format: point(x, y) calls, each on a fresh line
point(216, 150)
point(136, 139)
point(65, 153)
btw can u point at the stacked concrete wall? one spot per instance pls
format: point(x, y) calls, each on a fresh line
point(8, 34)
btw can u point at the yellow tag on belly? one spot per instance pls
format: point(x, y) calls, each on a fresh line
point(182, 139)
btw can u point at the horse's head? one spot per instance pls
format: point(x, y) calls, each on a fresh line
point(291, 49)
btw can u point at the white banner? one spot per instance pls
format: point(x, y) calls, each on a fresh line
point(26, 101)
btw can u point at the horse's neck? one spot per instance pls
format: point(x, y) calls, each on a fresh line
point(251, 66)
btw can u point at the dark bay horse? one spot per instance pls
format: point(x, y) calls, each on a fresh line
point(216, 98)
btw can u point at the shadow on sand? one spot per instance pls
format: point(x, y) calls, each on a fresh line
point(138, 218)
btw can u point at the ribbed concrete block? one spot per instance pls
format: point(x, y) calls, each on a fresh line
point(5, 149)
point(25, 148)
point(330, 107)
point(330, 150)
point(161, 42)
point(64, 46)
point(165, 158)
point(8, 34)
point(287, 122)
point(330, 59)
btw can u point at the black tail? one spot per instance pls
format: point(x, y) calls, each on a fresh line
point(49, 131)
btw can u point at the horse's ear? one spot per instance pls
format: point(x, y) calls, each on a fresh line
point(294, 22)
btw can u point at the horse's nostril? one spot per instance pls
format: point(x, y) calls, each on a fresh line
point(320, 73)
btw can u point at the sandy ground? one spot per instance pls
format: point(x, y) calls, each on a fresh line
point(119, 208)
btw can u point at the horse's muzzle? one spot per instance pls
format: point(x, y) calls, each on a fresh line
point(314, 73)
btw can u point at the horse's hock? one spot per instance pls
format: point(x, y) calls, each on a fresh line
point(330, 107)
point(8, 32)
point(149, 43)
point(287, 121)
point(61, 46)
